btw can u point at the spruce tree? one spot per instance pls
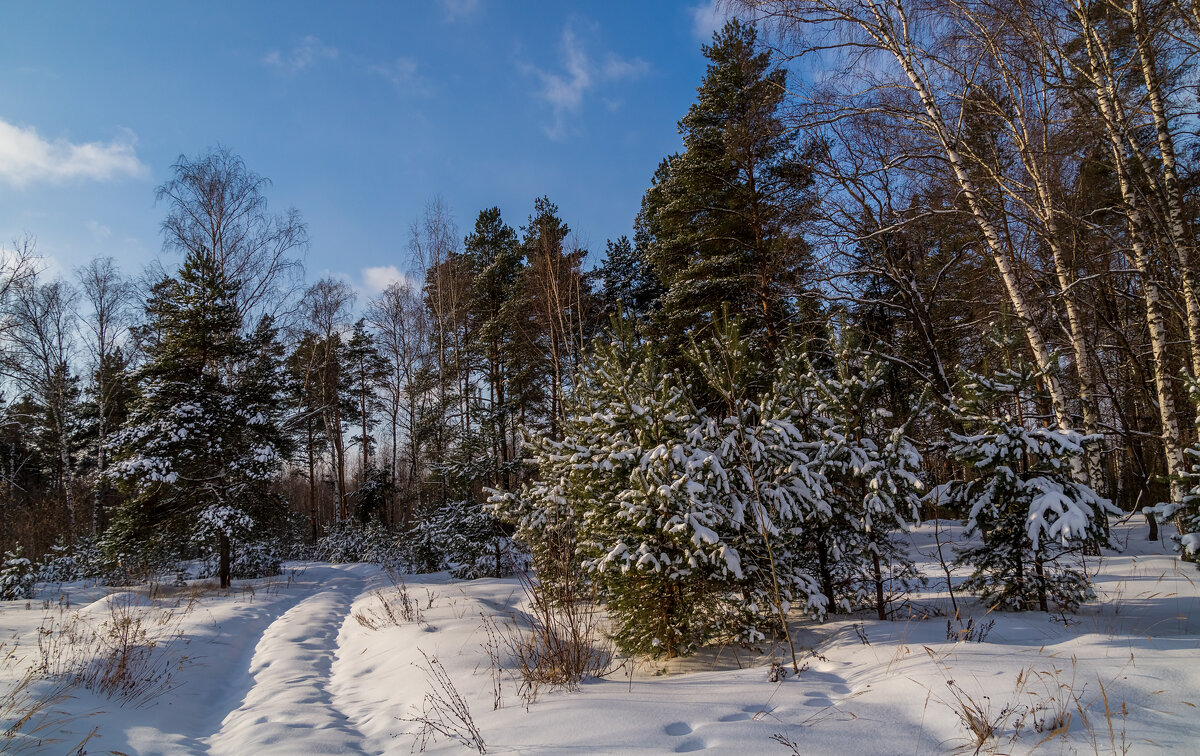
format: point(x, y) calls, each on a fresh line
point(627, 282)
point(203, 439)
point(363, 370)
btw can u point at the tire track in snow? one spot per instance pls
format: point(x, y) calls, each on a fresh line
point(289, 708)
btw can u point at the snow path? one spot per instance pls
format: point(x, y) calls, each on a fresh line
point(290, 698)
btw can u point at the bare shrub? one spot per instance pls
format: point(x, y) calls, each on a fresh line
point(491, 646)
point(957, 630)
point(861, 632)
point(444, 711)
point(561, 639)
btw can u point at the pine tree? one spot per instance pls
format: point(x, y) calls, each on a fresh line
point(363, 373)
point(558, 316)
point(497, 304)
point(872, 468)
point(768, 470)
point(303, 380)
point(624, 491)
point(1022, 498)
point(203, 440)
point(723, 217)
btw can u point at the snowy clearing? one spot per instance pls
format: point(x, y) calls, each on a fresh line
point(313, 662)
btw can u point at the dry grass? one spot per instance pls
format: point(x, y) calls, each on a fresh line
point(127, 656)
point(394, 607)
point(27, 710)
point(1049, 702)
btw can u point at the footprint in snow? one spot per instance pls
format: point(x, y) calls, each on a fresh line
point(678, 729)
point(690, 745)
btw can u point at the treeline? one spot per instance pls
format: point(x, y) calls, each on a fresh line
point(987, 210)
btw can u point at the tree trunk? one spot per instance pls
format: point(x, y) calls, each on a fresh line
point(825, 574)
point(313, 519)
point(887, 39)
point(1040, 570)
point(1171, 190)
point(1109, 108)
point(880, 600)
point(223, 568)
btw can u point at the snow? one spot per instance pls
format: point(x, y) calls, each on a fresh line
point(282, 666)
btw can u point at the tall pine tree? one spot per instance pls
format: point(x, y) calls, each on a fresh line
point(723, 217)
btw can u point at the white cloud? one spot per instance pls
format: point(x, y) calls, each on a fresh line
point(707, 18)
point(565, 90)
point(378, 278)
point(306, 53)
point(25, 157)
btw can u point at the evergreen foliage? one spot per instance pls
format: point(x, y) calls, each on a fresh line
point(348, 541)
point(628, 283)
point(1022, 498)
point(872, 468)
point(203, 440)
point(686, 521)
point(722, 219)
point(17, 576)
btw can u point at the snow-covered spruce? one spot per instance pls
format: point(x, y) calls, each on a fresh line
point(17, 576)
point(203, 441)
point(1022, 498)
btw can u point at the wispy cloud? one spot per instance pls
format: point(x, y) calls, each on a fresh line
point(26, 157)
point(460, 9)
point(707, 18)
point(98, 229)
point(378, 278)
point(306, 53)
point(401, 73)
point(566, 89)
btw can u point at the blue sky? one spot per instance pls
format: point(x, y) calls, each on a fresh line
point(359, 112)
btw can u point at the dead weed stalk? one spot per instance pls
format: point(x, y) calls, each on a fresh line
point(444, 711)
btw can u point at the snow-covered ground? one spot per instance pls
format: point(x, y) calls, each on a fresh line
point(284, 666)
